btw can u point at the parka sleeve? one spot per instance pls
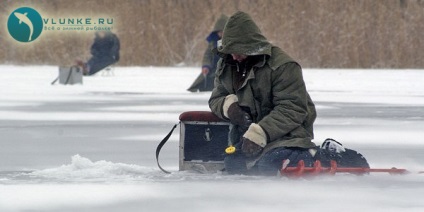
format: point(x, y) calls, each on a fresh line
point(207, 56)
point(217, 98)
point(290, 102)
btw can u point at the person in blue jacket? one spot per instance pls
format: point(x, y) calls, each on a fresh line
point(104, 51)
point(205, 81)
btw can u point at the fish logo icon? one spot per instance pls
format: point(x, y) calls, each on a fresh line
point(23, 18)
point(25, 24)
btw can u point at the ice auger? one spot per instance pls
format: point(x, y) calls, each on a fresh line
point(301, 171)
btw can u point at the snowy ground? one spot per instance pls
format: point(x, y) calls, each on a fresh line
point(91, 147)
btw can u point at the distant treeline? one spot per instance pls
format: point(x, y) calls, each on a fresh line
point(318, 33)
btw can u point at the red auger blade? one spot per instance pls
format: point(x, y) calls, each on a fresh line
point(300, 170)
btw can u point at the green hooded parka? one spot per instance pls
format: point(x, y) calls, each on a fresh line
point(273, 91)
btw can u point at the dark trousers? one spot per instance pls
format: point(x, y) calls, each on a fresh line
point(270, 163)
point(97, 63)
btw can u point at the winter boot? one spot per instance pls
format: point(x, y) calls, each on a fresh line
point(334, 150)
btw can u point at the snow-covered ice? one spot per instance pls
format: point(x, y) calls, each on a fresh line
point(91, 147)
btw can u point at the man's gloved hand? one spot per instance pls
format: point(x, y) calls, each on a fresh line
point(205, 71)
point(253, 141)
point(250, 148)
point(239, 117)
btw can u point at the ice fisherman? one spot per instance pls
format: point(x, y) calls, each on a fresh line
point(261, 91)
point(204, 82)
point(104, 51)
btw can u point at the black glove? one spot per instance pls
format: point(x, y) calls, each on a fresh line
point(250, 148)
point(239, 117)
